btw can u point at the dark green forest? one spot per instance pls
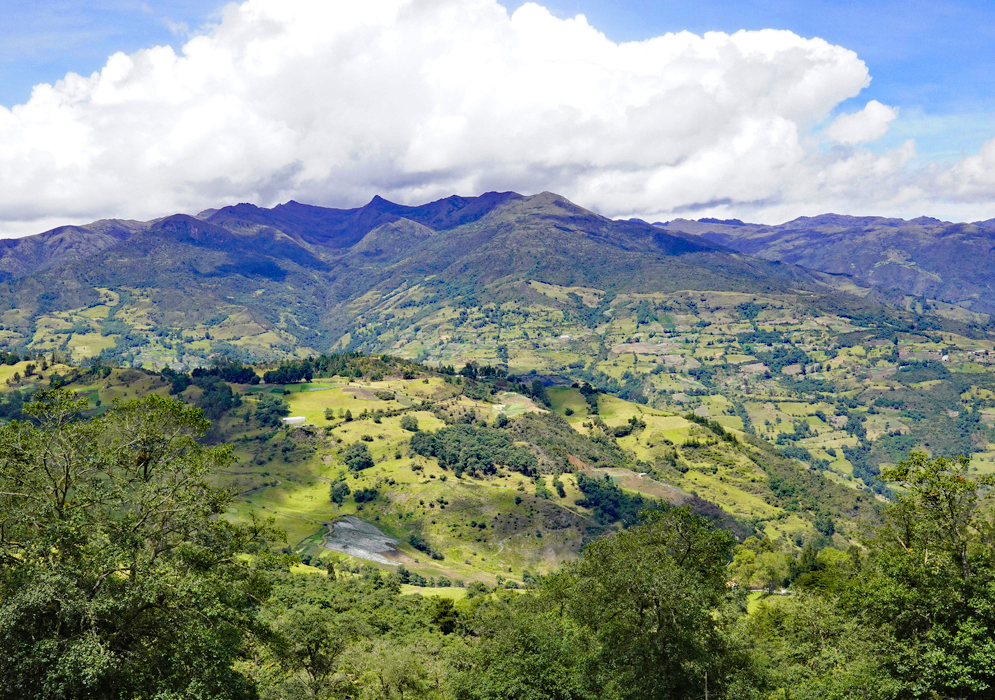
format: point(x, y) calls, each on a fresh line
point(120, 577)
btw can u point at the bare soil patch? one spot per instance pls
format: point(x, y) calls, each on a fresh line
point(356, 538)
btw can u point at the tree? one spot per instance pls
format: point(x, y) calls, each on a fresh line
point(308, 647)
point(645, 613)
point(338, 491)
point(357, 457)
point(409, 423)
point(771, 570)
point(815, 649)
point(538, 391)
point(444, 614)
point(522, 653)
point(939, 508)
point(913, 617)
point(931, 578)
point(390, 670)
point(118, 578)
point(270, 410)
point(651, 595)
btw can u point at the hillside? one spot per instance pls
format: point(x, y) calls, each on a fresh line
point(455, 538)
point(468, 478)
point(924, 257)
point(265, 283)
point(542, 289)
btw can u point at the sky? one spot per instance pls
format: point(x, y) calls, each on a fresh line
point(763, 110)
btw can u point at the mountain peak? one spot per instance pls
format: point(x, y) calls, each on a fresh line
point(379, 201)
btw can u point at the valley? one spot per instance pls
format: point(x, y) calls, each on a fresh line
point(480, 521)
point(829, 380)
point(428, 428)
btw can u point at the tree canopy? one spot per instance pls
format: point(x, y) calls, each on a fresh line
point(118, 578)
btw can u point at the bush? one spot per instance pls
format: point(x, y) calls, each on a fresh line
point(357, 457)
point(365, 495)
point(421, 545)
point(409, 423)
point(271, 409)
point(338, 491)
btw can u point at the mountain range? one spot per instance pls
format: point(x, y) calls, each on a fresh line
point(682, 325)
point(266, 283)
point(923, 257)
point(302, 275)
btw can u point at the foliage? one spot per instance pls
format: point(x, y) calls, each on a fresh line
point(590, 395)
point(217, 397)
point(527, 655)
point(11, 404)
point(352, 636)
point(537, 390)
point(467, 448)
point(117, 578)
point(911, 619)
point(609, 503)
point(554, 440)
point(365, 495)
point(357, 457)
point(419, 543)
point(635, 617)
point(228, 370)
point(338, 491)
point(270, 409)
point(350, 365)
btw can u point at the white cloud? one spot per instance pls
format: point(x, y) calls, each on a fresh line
point(868, 124)
point(973, 178)
point(331, 102)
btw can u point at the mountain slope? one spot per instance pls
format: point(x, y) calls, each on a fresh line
point(924, 257)
point(62, 245)
point(302, 276)
point(543, 289)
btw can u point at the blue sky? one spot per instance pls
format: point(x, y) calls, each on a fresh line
point(931, 59)
point(334, 101)
point(42, 40)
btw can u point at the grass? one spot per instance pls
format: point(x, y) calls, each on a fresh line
point(451, 592)
point(296, 491)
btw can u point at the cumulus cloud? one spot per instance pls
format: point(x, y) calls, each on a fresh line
point(973, 178)
point(331, 102)
point(868, 124)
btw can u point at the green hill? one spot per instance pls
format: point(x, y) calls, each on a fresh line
point(540, 288)
point(471, 479)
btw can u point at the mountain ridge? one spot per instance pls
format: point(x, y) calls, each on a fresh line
point(922, 257)
point(296, 278)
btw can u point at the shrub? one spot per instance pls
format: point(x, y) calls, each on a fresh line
point(357, 457)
